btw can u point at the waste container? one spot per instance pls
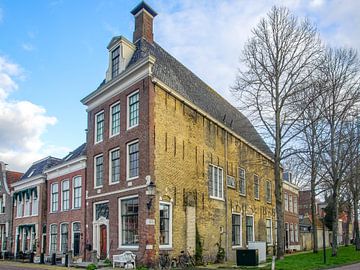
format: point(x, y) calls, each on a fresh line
point(247, 257)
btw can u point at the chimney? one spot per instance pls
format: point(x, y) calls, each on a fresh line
point(144, 16)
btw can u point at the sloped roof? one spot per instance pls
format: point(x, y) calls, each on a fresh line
point(13, 177)
point(80, 151)
point(178, 77)
point(40, 166)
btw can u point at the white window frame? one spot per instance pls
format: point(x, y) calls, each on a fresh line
point(241, 221)
point(296, 233)
point(35, 206)
point(2, 204)
point(128, 110)
point(221, 196)
point(170, 225)
point(72, 234)
point(295, 199)
point(110, 166)
point(111, 119)
point(128, 178)
point(51, 198)
point(95, 127)
point(245, 187)
point(286, 201)
point(271, 233)
point(291, 229)
point(253, 227)
point(291, 209)
point(95, 157)
point(60, 234)
point(120, 245)
point(27, 207)
point(268, 182)
point(62, 195)
point(73, 191)
point(19, 214)
point(57, 237)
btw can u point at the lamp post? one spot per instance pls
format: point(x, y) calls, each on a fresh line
point(150, 228)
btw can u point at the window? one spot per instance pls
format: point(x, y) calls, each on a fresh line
point(64, 237)
point(19, 208)
point(286, 202)
point(236, 230)
point(268, 191)
point(115, 166)
point(133, 110)
point(54, 197)
point(269, 231)
point(115, 119)
point(256, 187)
point(165, 224)
point(115, 55)
point(242, 182)
point(77, 192)
point(129, 222)
point(2, 207)
point(35, 205)
point(27, 207)
point(133, 160)
point(53, 238)
point(249, 229)
point(99, 169)
point(65, 205)
point(76, 238)
point(295, 205)
point(290, 203)
point(99, 127)
point(291, 232)
point(216, 182)
point(296, 227)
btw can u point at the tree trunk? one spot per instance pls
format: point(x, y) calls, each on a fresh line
point(347, 227)
point(313, 205)
point(335, 223)
point(356, 225)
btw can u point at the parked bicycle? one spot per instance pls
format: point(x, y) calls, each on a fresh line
point(186, 261)
point(164, 261)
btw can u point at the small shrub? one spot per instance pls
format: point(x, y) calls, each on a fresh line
point(220, 256)
point(91, 267)
point(141, 267)
point(107, 261)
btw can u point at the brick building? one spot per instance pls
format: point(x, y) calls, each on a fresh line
point(30, 208)
point(6, 179)
point(291, 215)
point(305, 203)
point(66, 205)
point(167, 155)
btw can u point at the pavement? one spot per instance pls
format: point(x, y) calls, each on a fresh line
point(348, 267)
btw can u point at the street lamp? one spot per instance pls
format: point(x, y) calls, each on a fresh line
point(150, 192)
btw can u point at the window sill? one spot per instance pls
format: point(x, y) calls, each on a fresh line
point(97, 187)
point(95, 143)
point(236, 247)
point(114, 135)
point(132, 178)
point(129, 128)
point(135, 248)
point(166, 247)
point(113, 183)
point(243, 194)
point(217, 198)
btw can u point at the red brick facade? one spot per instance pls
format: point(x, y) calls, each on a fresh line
point(291, 216)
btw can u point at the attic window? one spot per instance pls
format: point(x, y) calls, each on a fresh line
point(69, 156)
point(31, 173)
point(115, 61)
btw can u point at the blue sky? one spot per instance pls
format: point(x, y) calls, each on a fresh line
point(53, 53)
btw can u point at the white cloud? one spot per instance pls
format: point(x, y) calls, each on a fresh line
point(208, 36)
point(22, 124)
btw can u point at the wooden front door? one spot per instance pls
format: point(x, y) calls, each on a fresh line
point(103, 242)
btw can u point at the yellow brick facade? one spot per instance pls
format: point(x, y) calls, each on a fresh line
point(186, 142)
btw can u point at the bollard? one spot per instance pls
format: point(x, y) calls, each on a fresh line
point(66, 259)
point(42, 258)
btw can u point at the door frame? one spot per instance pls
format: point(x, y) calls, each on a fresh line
point(96, 235)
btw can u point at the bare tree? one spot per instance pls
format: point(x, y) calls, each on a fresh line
point(340, 78)
point(278, 60)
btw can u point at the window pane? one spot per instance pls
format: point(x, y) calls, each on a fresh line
point(77, 192)
point(129, 221)
point(115, 166)
point(99, 127)
point(164, 224)
point(236, 230)
point(53, 238)
point(115, 119)
point(99, 168)
point(242, 181)
point(55, 198)
point(65, 195)
point(249, 229)
point(133, 160)
point(134, 110)
point(115, 62)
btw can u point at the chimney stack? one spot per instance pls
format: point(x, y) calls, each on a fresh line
point(144, 16)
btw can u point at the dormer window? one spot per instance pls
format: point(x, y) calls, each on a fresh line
point(115, 56)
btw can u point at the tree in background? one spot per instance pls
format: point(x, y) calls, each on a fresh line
point(278, 60)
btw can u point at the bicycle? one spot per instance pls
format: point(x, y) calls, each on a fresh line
point(186, 261)
point(164, 261)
